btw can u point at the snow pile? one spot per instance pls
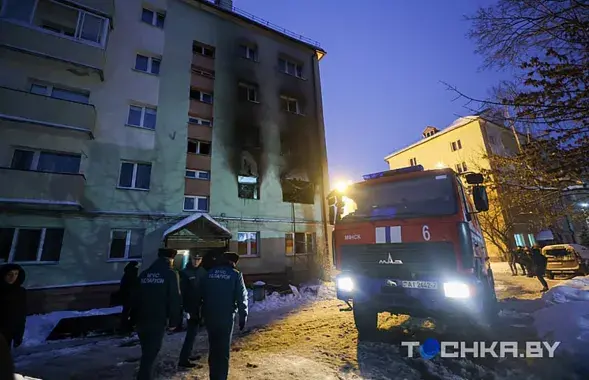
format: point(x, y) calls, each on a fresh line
point(39, 326)
point(305, 294)
point(21, 377)
point(566, 316)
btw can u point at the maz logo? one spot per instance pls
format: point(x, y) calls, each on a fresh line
point(390, 261)
point(352, 237)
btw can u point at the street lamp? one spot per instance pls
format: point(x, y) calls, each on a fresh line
point(341, 186)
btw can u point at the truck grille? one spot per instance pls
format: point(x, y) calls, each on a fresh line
point(418, 259)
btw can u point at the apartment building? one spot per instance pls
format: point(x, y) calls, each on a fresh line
point(464, 146)
point(129, 125)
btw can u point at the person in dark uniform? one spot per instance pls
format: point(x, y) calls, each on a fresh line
point(224, 293)
point(129, 282)
point(520, 258)
point(511, 260)
point(539, 264)
point(190, 279)
point(13, 304)
point(159, 305)
point(6, 363)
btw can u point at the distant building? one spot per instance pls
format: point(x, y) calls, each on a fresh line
point(128, 125)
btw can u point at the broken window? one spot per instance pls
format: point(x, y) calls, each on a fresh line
point(248, 92)
point(297, 191)
point(248, 187)
point(299, 243)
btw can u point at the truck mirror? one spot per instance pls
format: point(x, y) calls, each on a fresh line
point(480, 198)
point(474, 178)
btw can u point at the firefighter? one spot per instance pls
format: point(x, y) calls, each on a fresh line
point(13, 304)
point(520, 258)
point(539, 263)
point(129, 283)
point(224, 293)
point(190, 279)
point(159, 305)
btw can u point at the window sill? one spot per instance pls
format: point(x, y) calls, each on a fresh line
point(203, 125)
point(294, 113)
point(199, 154)
point(253, 101)
point(145, 72)
point(131, 188)
point(249, 59)
point(139, 259)
point(140, 127)
point(35, 262)
point(200, 179)
point(153, 26)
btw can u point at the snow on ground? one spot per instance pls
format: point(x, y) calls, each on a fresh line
point(304, 295)
point(39, 326)
point(565, 317)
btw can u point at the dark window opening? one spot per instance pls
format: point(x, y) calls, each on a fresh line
point(248, 187)
point(296, 191)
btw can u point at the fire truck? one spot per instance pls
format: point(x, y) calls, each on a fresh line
point(408, 241)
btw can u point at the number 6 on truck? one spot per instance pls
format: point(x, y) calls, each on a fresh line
point(425, 233)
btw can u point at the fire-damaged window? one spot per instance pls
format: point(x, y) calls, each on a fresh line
point(248, 187)
point(297, 191)
point(29, 245)
point(299, 243)
point(248, 92)
point(126, 244)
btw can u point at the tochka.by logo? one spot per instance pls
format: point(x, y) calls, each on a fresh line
point(432, 347)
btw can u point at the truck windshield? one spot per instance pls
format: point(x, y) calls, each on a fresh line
point(415, 197)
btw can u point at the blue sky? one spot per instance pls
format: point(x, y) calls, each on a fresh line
point(381, 76)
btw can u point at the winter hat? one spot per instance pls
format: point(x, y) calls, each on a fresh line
point(232, 257)
point(168, 253)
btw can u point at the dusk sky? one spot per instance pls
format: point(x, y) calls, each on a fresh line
point(381, 76)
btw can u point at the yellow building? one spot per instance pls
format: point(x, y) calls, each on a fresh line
point(464, 146)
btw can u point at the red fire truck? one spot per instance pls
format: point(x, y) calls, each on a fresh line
point(408, 241)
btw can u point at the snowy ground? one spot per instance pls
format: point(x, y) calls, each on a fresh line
point(308, 337)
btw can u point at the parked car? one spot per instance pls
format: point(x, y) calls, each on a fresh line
point(566, 259)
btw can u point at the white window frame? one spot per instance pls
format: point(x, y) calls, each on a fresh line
point(249, 245)
point(127, 245)
point(39, 249)
point(203, 72)
point(455, 145)
point(134, 177)
point(196, 198)
point(150, 60)
point(289, 99)
point(142, 119)
point(251, 89)
point(37, 155)
point(251, 53)
point(298, 68)
point(200, 121)
point(79, 24)
point(198, 147)
point(294, 245)
point(153, 17)
point(49, 91)
point(197, 174)
point(201, 96)
point(198, 48)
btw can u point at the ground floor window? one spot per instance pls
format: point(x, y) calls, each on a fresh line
point(126, 244)
point(519, 240)
point(248, 243)
point(196, 203)
point(299, 243)
point(30, 245)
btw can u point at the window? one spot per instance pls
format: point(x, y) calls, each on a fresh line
point(455, 145)
point(248, 52)
point(207, 51)
point(144, 117)
point(50, 162)
point(290, 68)
point(196, 203)
point(299, 243)
point(201, 96)
point(126, 244)
point(198, 147)
point(153, 18)
point(532, 239)
point(290, 104)
point(296, 191)
point(413, 161)
point(198, 174)
point(247, 243)
point(519, 240)
point(248, 92)
point(199, 121)
point(29, 245)
point(203, 72)
point(135, 176)
point(248, 187)
point(147, 64)
point(461, 167)
point(60, 93)
point(60, 19)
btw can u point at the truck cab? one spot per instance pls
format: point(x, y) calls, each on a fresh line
point(408, 241)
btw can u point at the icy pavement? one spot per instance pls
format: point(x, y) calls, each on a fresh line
point(306, 337)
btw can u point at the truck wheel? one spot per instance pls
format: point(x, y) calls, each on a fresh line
point(366, 321)
point(490, 304)
point(549, 275)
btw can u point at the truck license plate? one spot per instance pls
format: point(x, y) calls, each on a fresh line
point(419, 284)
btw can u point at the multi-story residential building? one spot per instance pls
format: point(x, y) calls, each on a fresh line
point(128, 125)
point(465, 146)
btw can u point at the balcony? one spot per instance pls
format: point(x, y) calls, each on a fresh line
point(199, 60)
point(32, 189)
point(106, 7)
point(201, 109)
point(200, 132)
point(37, 110)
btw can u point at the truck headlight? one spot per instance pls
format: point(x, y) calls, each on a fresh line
point(456, 289)
point(345, 284)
